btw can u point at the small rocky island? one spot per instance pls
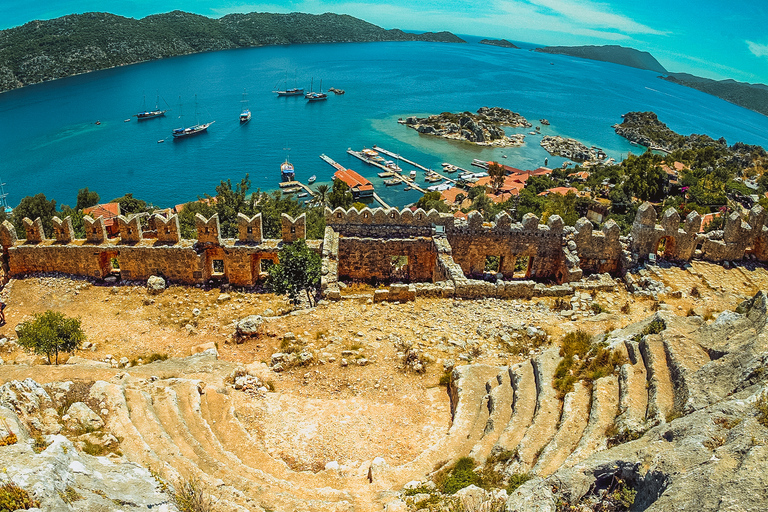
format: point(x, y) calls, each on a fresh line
point(571, 148)
point(499, 42)
point(484, 128)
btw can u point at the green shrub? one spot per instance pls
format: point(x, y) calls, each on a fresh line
point(597, 308)
point(13, 497)
point(70, 495)
point(50, 333)
point(461, 475)
point(594, 362)
point(189, 496)
point(654, 327)
point(517, 480)
point(445, 378)
point(762, 409)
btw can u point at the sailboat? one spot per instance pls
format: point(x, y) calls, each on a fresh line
point(245, 115)
point(179, 133)
point(295, 91)
point(316, 96)
point(149, 114)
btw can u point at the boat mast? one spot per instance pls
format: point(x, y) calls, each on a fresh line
point(3, 196)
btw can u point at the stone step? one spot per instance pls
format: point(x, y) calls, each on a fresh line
point(469, 404)
point(523, 384)
point(685, 357)
point(573, 422)
point(602, 414)
point(661, 395)
point(500, 398)
point(633, 391)
point(547, 412)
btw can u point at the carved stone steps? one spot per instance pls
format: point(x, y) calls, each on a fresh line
point(469, 404)
point(605, 402)
point(500, 397)
point(633, 391)
point(661, 395)
point(523, 405)
point(573, 422)
point(684, 357)
point(547, 413)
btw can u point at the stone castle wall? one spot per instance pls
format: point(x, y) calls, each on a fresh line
point(441, 255)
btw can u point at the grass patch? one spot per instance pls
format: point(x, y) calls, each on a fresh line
point(70, 495)
point(616, 437)
point(625, 309)
point(762, 409)
point(13, 497)
point(96, 450)
point(597, 308)
point(445, 378)
point(727, 423)
point(516, 480)
point(10, 438)
point(654, 327)
point(458, 476)
point(189, 496)
point(583, 361)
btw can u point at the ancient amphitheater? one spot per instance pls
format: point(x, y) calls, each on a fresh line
point(678, 420)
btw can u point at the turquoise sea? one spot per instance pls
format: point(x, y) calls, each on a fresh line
point(49, 141)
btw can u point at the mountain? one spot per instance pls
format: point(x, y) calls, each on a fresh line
point(79, 43)
point(499, 42)
point(609, 53)
point(751, 96)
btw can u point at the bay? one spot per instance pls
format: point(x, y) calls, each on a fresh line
point(50, 144)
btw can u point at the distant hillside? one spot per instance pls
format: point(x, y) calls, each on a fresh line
point(499, 42)
point(610, 53)
point(751, 96)
point(79, 43)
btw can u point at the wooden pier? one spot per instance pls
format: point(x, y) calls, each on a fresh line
point(297, 184)
point(401, 177)
point(418, 166)
point(380, 200)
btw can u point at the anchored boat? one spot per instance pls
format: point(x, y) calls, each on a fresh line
point(197, 128)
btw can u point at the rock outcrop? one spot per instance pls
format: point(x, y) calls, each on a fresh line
point(483, 128)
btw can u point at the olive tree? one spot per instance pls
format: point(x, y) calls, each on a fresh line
point(298, 270)
point(50, 333)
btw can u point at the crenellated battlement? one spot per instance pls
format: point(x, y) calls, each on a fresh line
point(459, 256)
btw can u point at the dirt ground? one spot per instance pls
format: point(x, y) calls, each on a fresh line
point(355, 401)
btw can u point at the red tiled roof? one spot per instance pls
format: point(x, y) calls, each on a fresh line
point(353, 179)
point(450, 194)
point(107, 210)
point(559, 190)
point(707, 219)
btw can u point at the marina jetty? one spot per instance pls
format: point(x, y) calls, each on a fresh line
point(484, 128)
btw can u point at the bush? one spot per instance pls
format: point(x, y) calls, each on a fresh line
point(50, 333)
point(654, 327)
point(189, 496)
point(461, 475)
point(594, 362)
point(762, 409)
point(13, 497)
point(517, 480)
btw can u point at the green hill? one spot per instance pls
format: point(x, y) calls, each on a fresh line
point(609, 53)
point(751, 96)
point(79, 43)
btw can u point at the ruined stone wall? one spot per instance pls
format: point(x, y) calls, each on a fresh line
point(364, 259)
point(600, 251)
point(474, 241)
point(386, 223)
point(679, 244)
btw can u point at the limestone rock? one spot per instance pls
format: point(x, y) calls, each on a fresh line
point(206, 349)
point(155, 285)
point(249, 326)
point(80, 417)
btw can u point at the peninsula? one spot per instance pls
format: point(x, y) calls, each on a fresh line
point(483, 128)
point(499, 42)
point(79, 43)
point(609, 53)
point(750, 96)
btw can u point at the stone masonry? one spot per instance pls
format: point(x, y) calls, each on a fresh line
point(418, 252)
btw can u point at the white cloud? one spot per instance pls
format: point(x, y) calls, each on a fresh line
point(595, 15)
point(759, 50)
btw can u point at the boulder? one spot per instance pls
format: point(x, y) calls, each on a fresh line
point(155, 285)
point(206, 349)
point(249, 326)
point(80, 417)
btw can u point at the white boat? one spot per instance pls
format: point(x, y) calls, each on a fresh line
point(195, 129)
point(312, 179)
point(245, 115)
point(412, 174)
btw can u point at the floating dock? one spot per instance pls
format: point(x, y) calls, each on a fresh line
point(418, 166)
point(296, 185)
point(397, 176)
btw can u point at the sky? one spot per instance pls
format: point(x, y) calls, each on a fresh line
point(709, 38)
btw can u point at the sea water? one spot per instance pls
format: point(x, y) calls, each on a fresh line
point(50, 142)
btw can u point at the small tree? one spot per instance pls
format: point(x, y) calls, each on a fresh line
point(297, 271)
point(50, 333)
point(497, 174)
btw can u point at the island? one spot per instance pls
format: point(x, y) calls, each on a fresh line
point(78, 43)
point(609, 53)
point(499, 42)
point(484, 128)
point(571, 148)
point(645, 129)
point(750, 96)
